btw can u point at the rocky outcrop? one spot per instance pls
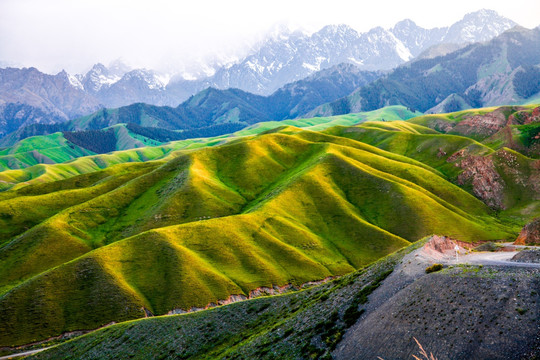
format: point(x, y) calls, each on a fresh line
point(441, 247)
point(486, 182)
point(483, 125)
point(528, 256)
point(525, 117)
point(530, 234)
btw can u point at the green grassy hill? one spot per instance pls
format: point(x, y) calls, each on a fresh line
point(115, 237)
point(284, 207)
point(48, 149)
point(54, 148)
point(460, 312)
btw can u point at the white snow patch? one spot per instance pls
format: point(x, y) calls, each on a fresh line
point(107, 80)
point(310, 67)
point(75, 82)
point(403, 52)
point(356, 61)
point(164, 79)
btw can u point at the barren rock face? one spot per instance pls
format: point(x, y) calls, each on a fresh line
point(441, 247)
point(528, 256)
point(530, 234)
point(524, 117)
point(484, 125)
point(486, 182)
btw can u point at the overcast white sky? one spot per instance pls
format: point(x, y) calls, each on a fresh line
point(73, 34)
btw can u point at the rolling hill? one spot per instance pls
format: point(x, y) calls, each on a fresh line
point(68, 145)
point(117, 237)
point(461, 312)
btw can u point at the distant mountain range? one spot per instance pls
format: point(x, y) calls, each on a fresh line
point(292, 56)
point(505, 70)
point(28, 96)
point(211, 109)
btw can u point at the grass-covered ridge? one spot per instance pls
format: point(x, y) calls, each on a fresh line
point(287, 206)
point(54, 148)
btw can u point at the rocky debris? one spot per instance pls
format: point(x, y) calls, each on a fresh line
point(458, 313)
point(265, 291)
point(441, 153)
point(492, 126)
point(441, 247)
point(315, 283)
point(441, 125)
point(483, 125)
point(524, 117)
point(486, 182)
point(457, 155)
point(488, 246)
point(528, 256)
point(530, 234)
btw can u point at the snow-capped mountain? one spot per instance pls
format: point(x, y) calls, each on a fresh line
point(119, 85)
point(415, 38)
point(98, 77)
point(138, 85)
point(27, 96)
point(287, 56)
point(482, 25)
point(292, 56)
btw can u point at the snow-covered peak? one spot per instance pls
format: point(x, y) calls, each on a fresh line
point(75, 82)
point(481, 25)
point(481, 14)
point(376, 34)
point(71, 79)
point(405, 26)
point(151, 79)
point(338, 30)
point(99, 69)
point(98, 77)
point(118, 67)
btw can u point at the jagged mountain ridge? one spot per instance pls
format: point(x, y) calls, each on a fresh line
point(501, 71)
point(293, 56)
point(279, 60)
point(29, 96)
point(212, 107)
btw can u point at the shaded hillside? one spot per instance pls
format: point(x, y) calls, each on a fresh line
point(462, 312)
point(482, 74)
point(62, 147)
point(284, 207)
point(97, 141)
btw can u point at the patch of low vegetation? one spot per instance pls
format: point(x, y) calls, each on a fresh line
point(488, 246)
point(434, 268)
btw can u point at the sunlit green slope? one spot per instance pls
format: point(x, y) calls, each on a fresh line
point(193, 228)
